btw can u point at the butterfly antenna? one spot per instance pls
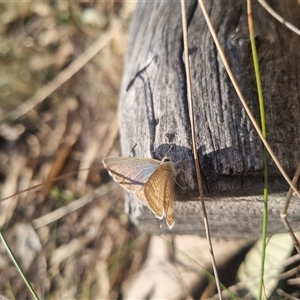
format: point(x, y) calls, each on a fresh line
point(171, 146)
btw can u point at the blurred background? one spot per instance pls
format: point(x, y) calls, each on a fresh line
point(55, 123)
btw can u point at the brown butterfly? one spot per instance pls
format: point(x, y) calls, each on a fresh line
point(150, 179)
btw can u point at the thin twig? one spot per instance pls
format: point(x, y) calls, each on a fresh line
point(64, 75)
point(242, 99)
point(195, 152)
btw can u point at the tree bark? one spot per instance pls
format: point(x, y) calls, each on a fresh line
point(154, 110)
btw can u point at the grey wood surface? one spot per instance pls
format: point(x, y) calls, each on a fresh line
point(154, 113)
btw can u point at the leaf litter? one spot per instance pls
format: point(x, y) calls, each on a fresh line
point(87, 251)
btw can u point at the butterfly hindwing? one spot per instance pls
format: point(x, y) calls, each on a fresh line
point(131, 172)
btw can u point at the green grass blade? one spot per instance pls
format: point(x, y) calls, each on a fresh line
point(35, 296)
point(264, 132)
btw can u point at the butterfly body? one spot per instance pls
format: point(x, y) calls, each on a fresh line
point(151, 180)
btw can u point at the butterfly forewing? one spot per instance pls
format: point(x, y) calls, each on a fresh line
point(141, 196)
point(131, 172)
point(169, 203)
point(159, 192)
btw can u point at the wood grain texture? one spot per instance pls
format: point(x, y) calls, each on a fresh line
point(154, 112)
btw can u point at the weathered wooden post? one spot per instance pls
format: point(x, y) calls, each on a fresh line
point(154, 111)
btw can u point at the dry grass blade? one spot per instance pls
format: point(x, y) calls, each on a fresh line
point(195, 152)
point(40, 185)
point(64, 75)
point(285, 295)
point(63, 211)
point(278, 17)
point(7, 208)
point(283, 214)
point(95, 150)
point(243, 100)
point(290, 192)
point(71, 136)
point(110, 136)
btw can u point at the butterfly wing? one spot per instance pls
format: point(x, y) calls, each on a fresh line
point(131, 172)
point(169, 202)
point(159, 193)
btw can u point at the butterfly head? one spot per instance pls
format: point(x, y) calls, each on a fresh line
point(165, 159)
